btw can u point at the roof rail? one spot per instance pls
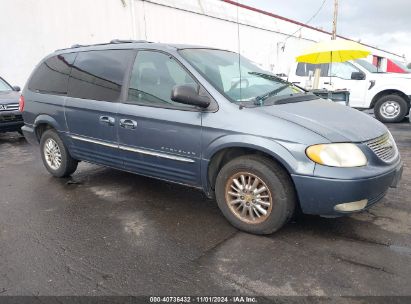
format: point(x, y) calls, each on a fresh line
point(77, 45)
point(114, 41)
point(129, 41)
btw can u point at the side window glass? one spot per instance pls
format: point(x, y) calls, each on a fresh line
point(342, 70)
point(99, 75)
point(52, 75)
point(304, 69)
point(153, 77)
point(301, 70)
point(324, 69)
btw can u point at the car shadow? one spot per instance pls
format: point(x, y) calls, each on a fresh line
point(12, 138)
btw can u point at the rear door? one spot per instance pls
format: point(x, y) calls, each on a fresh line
point(94, 89)
point(158, 137)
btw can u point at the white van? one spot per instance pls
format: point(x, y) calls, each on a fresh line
point(389, 94)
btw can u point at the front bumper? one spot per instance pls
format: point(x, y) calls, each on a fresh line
point(320, 195)
point(10, 121)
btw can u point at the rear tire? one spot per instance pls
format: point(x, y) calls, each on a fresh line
point(55, 155)
point(391, 108)
point(253, 209)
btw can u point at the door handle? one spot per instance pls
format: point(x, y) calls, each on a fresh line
point(107, 120)
point(128, 123)
point(296, 82)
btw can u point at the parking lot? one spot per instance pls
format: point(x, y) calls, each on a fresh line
point(106, 232)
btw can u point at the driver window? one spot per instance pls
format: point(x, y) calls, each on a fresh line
point(153, 77)
point(342, 70)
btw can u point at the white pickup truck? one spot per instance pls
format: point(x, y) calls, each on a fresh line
point(389, 94)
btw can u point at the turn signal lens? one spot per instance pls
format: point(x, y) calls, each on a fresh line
point(337, 155)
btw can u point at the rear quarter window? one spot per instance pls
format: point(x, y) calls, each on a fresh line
point(52, 75)
point(99, 75)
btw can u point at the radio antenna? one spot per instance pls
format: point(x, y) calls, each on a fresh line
point(239, 47)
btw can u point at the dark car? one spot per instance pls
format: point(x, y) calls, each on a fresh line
point(212, 120)
point(11, 119)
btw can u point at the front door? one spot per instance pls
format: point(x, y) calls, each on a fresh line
point(158, 137)
point(95, 86)
point(340, 75)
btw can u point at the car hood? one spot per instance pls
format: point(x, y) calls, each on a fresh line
point(335, 122)
point(9, 97)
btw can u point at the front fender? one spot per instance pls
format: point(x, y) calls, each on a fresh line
point(387, 87)
point(290, 155)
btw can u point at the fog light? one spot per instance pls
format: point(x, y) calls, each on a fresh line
point(353, 206)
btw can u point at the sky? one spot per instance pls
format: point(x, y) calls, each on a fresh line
point(385, 24)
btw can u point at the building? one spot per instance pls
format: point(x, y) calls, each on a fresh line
point(32, 29)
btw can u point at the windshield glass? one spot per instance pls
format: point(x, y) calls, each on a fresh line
point(4, 86)
point(366, 65)
point(237, 77)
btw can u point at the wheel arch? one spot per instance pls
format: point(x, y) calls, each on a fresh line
point(390, 92)
point(222, 154)
point(43, 123)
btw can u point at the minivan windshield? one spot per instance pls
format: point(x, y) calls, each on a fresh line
point(237, 77)
point(4, 86)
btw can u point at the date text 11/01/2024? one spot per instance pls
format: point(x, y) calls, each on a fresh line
point(203, 299)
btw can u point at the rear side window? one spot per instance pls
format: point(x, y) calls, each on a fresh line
point(52, 75)
point(304, 69)
point(99, 75)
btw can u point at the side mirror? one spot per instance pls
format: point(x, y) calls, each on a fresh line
point(16, 88)
point(187, 94)
point(357, 76)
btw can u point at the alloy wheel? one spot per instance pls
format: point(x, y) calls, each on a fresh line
point(248, 197)
point(52, 154)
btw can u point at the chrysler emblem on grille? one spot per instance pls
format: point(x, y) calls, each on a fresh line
point(3, 107)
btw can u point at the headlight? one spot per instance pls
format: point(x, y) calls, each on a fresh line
point(337, 155)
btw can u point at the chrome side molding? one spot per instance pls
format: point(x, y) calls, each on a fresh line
point(136, 150)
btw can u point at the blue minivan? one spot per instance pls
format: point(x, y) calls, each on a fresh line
point(210, 119)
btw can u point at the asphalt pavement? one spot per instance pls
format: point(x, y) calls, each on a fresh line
point(107, 232)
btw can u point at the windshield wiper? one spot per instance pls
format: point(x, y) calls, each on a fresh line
point(276, 78)
point(269, 76)
point(259, 100)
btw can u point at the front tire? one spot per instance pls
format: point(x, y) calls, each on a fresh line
point(255, 194)
point(55, 155)
point(390, 108)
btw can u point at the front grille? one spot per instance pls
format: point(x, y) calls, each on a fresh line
point(9, 107)
point(384, 147)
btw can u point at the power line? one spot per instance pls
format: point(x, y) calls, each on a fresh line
point(308, 21)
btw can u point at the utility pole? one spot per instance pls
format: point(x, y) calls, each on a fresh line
point(334, 33)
